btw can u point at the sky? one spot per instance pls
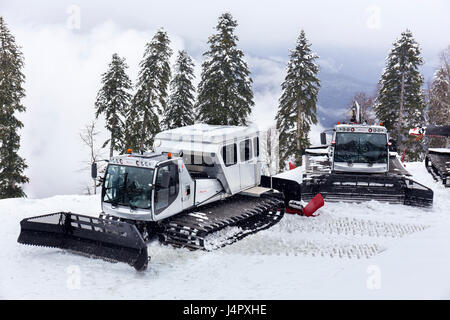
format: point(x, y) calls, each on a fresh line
point(67, 45)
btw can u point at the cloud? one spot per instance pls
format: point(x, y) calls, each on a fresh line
point(63, 71)
point(263, 24)
point(64, 65)
point(330, 65)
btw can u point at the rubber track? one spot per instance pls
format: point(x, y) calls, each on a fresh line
point(388, 188)
point(438, 165)
point(248, 214)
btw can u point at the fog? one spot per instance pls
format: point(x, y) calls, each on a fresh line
point(67, 45)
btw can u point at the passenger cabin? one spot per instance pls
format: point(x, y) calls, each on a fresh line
point(227, 153)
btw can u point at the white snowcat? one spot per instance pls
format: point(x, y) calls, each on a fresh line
point(437, 160)
point(198, 189)
point(360, 164)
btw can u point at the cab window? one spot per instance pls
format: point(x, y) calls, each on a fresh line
point(245, 150)
point(229, 154)
point(256, 145)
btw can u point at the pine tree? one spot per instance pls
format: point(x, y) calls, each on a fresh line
point(297, 104)
point(150, 100)
point(113, 101)
point(180, 110)
point(439, 98)
point(12, 166)
point(400, 102)
point(225, 95)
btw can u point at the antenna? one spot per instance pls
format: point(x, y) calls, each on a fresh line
point(358, 112)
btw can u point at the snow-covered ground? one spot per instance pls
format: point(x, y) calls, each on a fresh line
point(361, 251)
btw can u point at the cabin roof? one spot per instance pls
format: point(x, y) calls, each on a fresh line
point(207, 133)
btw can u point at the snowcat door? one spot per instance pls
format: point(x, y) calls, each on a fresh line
point(166, 195)
point(247, 164)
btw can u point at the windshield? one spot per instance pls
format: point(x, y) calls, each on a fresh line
point(360, 148)
point(128, 186)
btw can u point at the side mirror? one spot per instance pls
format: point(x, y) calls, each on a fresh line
point(323, 138)
point(393, 146)
point(94, 170)
point(165, 179)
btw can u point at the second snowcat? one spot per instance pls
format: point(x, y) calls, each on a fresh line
point(437, 160)
point(359, 164)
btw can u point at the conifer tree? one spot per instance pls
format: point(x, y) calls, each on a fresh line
point(113, 101)
point(439, 98)
point(225, 95)
point(12, 166)
point(400, 102)
point(297, 104)
point(150, 100)
point(180, 109)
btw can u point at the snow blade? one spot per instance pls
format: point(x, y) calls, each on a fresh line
point(113, 240)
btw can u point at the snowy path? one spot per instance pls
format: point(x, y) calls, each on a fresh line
point(370, 250)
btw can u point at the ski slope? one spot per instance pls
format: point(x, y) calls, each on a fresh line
point(351, 251)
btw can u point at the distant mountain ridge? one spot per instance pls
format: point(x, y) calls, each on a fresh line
point(336, 93)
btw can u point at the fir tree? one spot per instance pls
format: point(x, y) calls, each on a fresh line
point(150, 100)
point(180, 110)
point(297, 104)
point(113, 101)
point(225, 95)
point(12, 166)
point(400, 102)
point(439, 98)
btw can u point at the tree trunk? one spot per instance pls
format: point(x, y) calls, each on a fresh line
point(111, 147)
point(144, 119)
point(299, 132)
point(141, 143)
point(400, 117)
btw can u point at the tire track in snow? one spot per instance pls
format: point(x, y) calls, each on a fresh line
point(348, 226)
point(324, 236)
